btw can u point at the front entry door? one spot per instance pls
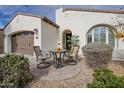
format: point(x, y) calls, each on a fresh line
point(68, 41)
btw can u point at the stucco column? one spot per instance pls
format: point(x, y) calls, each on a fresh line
point(116, 43)
point(7, 44)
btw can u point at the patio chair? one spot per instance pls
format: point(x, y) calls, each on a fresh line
point(72, 56)
point(43, 57)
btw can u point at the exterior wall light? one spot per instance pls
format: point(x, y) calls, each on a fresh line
point(4, 36)
point(36, 32)
point(59, 44)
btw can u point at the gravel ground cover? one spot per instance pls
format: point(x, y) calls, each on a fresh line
point(80, 80)
point(77, 81)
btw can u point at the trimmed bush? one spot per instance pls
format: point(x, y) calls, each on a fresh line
point(14, 71)
point(104, 78)
point(97, 55)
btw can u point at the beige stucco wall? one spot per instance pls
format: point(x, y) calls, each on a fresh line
point(79, 22)
point(49, 36)
point(1, 41)
point(47, 33)
point(22, 23)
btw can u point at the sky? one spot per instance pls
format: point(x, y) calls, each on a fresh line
point(8, 11)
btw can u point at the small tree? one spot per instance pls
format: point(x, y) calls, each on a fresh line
point(118, 24)
point(74, 41)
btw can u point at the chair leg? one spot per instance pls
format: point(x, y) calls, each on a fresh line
point(43, 64)
point(71, 61)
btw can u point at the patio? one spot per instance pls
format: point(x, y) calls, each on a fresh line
point(77, 78)
point(51, 73)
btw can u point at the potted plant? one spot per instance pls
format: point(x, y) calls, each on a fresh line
point(74, 41)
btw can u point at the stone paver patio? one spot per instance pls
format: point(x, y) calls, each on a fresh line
point(77, 80)
point(52, 73)
point(70, 76)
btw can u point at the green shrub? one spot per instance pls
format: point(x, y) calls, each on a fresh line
point(14, 71)
point(104, 78)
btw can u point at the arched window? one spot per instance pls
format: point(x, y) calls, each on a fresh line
point(89, 37)
point(101, 34)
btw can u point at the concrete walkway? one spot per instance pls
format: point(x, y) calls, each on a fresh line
point(118, 54)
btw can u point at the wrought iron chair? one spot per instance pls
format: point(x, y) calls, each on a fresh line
point(72, 55)
point(43, 57)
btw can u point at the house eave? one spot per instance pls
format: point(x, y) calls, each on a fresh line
point(94, 10)
point(32, 15)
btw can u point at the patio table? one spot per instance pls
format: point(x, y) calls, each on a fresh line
point(58, 57)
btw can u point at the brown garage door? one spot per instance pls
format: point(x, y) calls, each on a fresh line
point(22, 43)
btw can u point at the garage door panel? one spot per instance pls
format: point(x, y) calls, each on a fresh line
point(23, 43)
point(25, 51)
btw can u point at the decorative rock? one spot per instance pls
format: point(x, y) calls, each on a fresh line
point(97, 55)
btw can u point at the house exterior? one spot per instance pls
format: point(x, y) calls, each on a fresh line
point(1, 41)
point(25, 31)
point(91, 25)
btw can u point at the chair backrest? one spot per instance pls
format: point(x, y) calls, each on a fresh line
point(75, 50)
point(37, 51)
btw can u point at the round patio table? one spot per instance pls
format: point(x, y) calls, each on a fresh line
point(58, 57)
